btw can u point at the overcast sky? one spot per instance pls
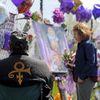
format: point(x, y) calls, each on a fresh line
point(48, 6)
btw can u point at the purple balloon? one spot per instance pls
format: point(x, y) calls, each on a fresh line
point(67, 5)
point(17, 2)
point(96, 11)
point(83, 14)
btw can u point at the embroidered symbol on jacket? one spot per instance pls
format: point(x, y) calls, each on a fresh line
point(18, 72)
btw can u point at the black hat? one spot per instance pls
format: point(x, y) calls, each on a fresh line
point(18, 42)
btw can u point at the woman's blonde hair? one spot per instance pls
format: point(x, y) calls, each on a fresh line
point(83, 30)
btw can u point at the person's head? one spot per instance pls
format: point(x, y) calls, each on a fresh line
point(18, 42)
point(51, 31)
point(81, 32)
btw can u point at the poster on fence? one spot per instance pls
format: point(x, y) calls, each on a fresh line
point(52, 43)
point(6, 27)
point(5, 31)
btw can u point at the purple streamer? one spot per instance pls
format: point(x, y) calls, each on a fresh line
point(7, 39)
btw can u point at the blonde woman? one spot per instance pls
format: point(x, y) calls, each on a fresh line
point(85, 61)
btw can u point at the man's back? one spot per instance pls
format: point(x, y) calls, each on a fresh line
point(20, 70)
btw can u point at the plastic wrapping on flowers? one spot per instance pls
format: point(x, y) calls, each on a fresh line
point(68, 58)
point(36, 16)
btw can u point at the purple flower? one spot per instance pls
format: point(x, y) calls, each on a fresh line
point(58, 16)
point(96, 11)
point(67, 5)
point(83, 14)
point(28, 14)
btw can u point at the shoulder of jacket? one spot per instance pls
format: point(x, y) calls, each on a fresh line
point(35, 61)
point(89, 43)
point(38, 61)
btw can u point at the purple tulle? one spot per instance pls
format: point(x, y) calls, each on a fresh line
point(83, 14)
point(7, 39)
point(70, 86)
point(67, 84)
point(67, 5)
point(96, 11)
point(58, 16)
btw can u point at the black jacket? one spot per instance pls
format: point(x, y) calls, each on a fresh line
point(20, 69)
point(86, 60)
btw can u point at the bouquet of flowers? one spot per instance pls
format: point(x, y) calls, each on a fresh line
point(58, 16)
point(69, 59)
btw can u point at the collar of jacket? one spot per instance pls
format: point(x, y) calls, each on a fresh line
point(83, 41)
point(16, 53)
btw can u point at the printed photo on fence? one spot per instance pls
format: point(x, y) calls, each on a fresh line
point(52, 43)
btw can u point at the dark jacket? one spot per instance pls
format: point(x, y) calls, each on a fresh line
point(19, 70)
point(85, 61)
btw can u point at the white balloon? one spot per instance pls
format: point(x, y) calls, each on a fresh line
point(3, 13)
